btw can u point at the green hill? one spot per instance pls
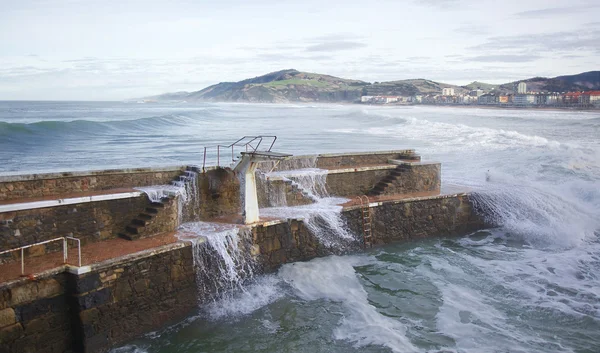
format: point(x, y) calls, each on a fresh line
point(296, 86)
point(284, 86)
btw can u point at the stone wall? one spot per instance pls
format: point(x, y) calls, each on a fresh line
point(123, 300)
point(414, 178)
point(274, 193)
point(219, 193)
point(418, 218)
point(54, 184)
point(348, 160)
point(281, 242)
point(353, 183)
point(115, 302)
point(34, 316)
point(90, 222)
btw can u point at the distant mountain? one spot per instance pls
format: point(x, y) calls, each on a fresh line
point(296, 86)
point(409, 88)
point(284, 86)
point(165, 97)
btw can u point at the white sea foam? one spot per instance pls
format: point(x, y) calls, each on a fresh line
point(333, 278)
point(261, 292)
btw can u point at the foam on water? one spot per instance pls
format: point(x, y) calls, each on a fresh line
point(334, 278)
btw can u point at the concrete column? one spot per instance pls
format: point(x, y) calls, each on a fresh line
point(250, 196)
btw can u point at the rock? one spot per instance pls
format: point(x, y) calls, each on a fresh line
point(24, 294)
point(10, 333)
point(7, 317)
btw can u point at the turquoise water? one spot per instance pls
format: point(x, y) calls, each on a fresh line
point(530, 285)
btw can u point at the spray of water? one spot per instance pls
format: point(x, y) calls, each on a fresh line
point(222, 257)
point(323, 217)
point(540, 214)
point(185, 189)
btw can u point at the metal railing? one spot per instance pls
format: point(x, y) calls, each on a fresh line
point(65, 250)
point(249, 143)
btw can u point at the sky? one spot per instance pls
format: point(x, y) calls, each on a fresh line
point(116, 50)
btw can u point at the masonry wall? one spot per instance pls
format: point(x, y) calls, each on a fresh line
point(123, 300)
point(353, 183)
point(90, 222)
point(274, 193)
point(284, 242)
point(416, 178)
point(219, 193)
point(348, 160)
point(54, 184)
point(34, 316)
point(418, 218)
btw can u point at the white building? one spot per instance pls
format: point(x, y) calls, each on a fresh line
point(524, 99)
point(522, 88)
point(365, 99)
point(448, 91)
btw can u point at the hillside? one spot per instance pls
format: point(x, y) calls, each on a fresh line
point(283, 86)
point(580, 82)
point(296, 86)
point(409, 88)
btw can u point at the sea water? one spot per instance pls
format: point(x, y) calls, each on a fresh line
point(529, 285)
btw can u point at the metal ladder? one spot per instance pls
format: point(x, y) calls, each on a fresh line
point(366, 221)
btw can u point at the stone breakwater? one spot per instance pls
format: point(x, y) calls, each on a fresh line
point(112, 299)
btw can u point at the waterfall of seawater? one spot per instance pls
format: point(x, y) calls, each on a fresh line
point(323, 217)
point(222, 257)
point(185, 188)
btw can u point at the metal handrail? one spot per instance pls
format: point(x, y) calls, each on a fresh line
point(65, 250)
point(247, 144)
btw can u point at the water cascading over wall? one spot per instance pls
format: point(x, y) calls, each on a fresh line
point(185, 189)
point(322, 217)
point(222, 257)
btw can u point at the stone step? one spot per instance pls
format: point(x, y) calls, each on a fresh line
point(133, 228)
point(140, 222)
point(157, 205)
point(151, 210)
point(127, 236)
point(145, 216)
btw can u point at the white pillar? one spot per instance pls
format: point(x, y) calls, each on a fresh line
point(250, 197)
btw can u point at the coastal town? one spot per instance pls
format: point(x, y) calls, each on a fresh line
point(521, 97)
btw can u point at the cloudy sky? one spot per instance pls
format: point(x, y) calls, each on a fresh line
point(112, 50)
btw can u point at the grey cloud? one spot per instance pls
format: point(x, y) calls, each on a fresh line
point(444, 4)
point(504, 58)
point(547, 42)
point(472, 29)
point(335, 46)
point(336, 37)
point(556, 11)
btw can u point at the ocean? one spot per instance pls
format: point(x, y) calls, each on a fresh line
point(530, 285)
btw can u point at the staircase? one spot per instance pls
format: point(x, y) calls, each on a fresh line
point(139, 226)
point(136, 228)
point(386, 182)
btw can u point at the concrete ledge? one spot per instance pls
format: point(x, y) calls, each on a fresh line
point(68, 201)
point(335, 171)
point(58, 175)
point(408, 199)
point(396, 162)
point(129, 258)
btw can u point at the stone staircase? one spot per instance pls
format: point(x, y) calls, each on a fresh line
point(388, 181)
point(140, 227)
point(144, 225)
